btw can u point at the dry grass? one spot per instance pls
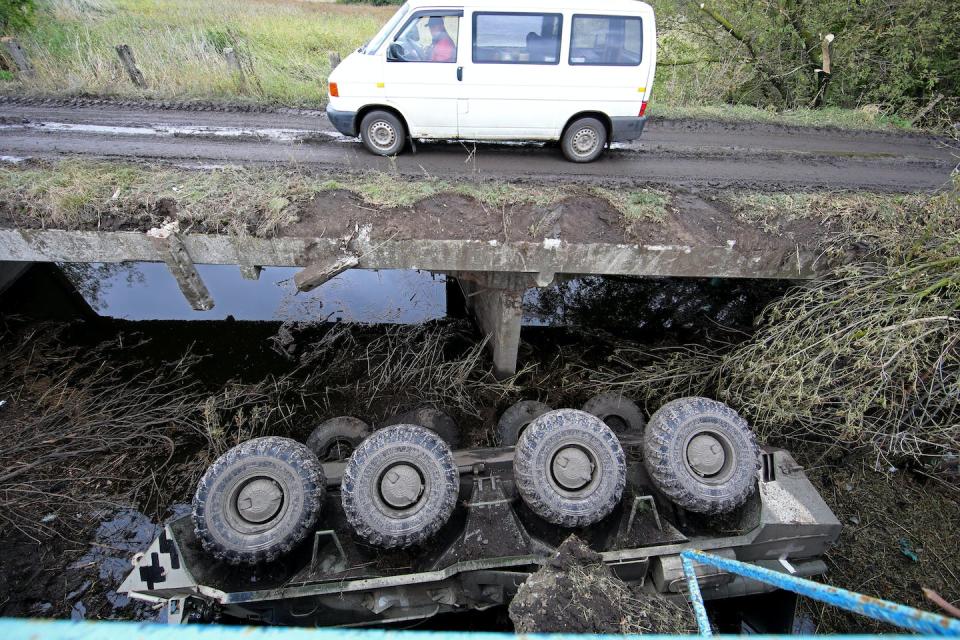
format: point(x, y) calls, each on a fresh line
point(884, 516)
point(80, 434)
point(179, 47)
point(868, 357)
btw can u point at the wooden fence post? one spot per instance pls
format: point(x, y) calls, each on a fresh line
point(334, 60)
point(15, 52)
point(126, 57)
point(233, 63)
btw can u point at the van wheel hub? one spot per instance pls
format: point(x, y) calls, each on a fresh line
point(585, 141)
point(572, 468)
point(401, 486)
point(259, 500)
point(383, 134)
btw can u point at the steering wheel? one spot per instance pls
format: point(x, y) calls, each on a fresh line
point(411, 48)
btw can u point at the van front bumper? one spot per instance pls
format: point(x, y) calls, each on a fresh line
point(343, 121)
point(627, 128)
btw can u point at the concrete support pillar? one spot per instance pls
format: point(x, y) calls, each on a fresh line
point(496, 301)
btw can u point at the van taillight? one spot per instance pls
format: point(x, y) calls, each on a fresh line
point(335, 91)
point(643, 108)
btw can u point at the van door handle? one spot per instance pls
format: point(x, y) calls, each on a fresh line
point(460, 74)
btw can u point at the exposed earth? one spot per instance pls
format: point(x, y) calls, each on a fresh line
point(671, 152)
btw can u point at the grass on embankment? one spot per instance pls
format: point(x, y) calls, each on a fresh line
point(178, 45)
point(76, 194)
point(283, 45)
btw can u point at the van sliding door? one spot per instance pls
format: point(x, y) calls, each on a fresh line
point(512, 75)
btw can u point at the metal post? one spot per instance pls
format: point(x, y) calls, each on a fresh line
point(696, 598)
point(882, 610)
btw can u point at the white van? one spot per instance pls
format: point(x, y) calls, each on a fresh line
point(577, 71)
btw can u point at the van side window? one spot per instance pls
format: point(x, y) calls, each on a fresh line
point(610, 41)
point(427, 38)
point(516, 38)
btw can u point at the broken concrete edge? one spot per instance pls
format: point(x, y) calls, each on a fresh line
point(169, 244)
point(545, 259)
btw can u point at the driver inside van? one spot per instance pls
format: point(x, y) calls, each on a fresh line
point(442, 49)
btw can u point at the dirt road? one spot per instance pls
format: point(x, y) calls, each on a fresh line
point(680, 152)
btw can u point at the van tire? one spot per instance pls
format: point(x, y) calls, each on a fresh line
point(383, 133)
point(335, 439)
point(420, 501)
point(683, 479)
point(239, 528)
point(576, 500)
point(584, 140)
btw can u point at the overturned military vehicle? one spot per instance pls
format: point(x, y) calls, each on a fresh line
point(409, 527)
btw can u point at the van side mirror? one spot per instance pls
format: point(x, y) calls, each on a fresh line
point(395, 52)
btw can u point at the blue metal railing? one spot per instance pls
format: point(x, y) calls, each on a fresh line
point(896, 614)
point(22, 629)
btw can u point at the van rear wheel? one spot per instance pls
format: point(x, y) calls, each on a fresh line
point(584, 140)
point(383, 133)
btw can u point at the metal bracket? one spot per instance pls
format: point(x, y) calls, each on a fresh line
point(324, 561)
point(651, 504)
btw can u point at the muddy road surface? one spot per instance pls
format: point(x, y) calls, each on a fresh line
point(672, 152)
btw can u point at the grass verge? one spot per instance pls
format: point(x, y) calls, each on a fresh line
point(866, 119)
point(179, 45)
point(74, 194)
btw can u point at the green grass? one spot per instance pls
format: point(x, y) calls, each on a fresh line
point(856, 119)
point(645, 205)
point(178, 44)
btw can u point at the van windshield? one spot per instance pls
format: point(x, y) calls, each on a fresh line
point(374, 45)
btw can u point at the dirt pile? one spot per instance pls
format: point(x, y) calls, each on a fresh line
point(576, 593)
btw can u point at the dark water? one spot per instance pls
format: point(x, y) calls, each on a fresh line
point(652, 309)
point(147, 291)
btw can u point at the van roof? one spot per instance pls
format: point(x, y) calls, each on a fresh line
point(633, 6)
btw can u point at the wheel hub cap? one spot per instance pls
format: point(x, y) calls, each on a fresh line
point(572, 468)
point(382, 134)
point(705, 455)
point(260, 500)
point(401, 486)
point(585, 141)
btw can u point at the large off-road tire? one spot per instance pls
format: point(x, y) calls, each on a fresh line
point(570, 468)
point(434, 419)
point(584, 140)
point(517, 418)
point(619, 413)
point(702, 455)
point(336, 438)
point(383, 133)
point(258, 501)
point(400, 486)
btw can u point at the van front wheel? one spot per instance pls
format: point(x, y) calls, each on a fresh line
point(583, 141)
point(383, 133)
